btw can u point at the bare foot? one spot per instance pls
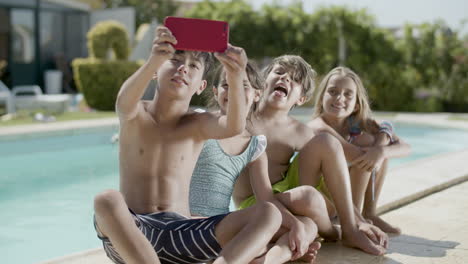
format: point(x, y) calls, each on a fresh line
point(386, 227)
point(311, 254)
point(360, 239)
point(334, 235)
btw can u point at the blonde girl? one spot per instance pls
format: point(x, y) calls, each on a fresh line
point(342, 108)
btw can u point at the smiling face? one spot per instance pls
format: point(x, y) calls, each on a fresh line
point(181, 76)
point(221, 93)
point(281, 90)
point(339, 99)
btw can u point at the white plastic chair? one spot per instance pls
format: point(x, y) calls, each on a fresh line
point(31, 97)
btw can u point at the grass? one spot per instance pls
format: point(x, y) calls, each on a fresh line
point(25, 117)
point(458, 118)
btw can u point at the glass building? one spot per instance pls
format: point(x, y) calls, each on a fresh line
point(41, 35)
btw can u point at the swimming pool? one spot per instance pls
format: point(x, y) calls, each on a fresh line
point(47, 185)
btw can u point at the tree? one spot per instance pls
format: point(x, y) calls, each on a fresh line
point(146, 10)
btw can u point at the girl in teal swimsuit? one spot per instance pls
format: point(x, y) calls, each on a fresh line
point(342, 109)
point(220, 164)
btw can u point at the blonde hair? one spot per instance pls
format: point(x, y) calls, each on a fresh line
point(300, 72)
point(363, 115)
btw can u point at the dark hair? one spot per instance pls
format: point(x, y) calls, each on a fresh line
point(205, 57)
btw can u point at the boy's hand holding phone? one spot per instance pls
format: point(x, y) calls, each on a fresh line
point(199, 34)
point(163, 48)
point(234, 61)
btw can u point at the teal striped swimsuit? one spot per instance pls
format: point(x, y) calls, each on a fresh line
point(214, 177)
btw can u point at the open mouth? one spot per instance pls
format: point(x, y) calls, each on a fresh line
point(281, 91)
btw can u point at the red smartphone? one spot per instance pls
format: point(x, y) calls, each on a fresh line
point(199, 34)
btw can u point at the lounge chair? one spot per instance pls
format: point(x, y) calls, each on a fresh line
point(31, 97)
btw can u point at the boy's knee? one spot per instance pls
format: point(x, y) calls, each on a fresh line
point(323, 142)
point(269, 212)
point(107, 202)
point(311, 199)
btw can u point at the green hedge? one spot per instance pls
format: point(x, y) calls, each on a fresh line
point(107, 35)
point(100, 80)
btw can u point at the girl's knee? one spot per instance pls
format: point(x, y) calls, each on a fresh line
point(364, 140)
point(107, 202)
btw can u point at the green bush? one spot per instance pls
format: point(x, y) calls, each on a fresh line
point(100, 80)
point(107, 35)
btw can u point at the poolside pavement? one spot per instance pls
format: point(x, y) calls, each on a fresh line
point(426, 198)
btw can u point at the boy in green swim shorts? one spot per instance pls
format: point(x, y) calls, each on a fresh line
point(289, 82)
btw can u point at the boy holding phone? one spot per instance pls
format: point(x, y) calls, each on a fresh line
point(160, 141)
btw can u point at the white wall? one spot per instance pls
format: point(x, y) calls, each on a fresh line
point(124, 15)
point(142, 47)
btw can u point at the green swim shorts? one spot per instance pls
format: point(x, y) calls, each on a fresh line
point(289, 181)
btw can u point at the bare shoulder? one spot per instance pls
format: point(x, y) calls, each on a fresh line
point(141, 111)
point(316, 123)
point(302, 132)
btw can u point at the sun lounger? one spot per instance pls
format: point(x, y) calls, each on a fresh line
point(31, 97)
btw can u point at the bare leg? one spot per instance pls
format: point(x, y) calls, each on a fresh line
point(307, 201)
point(360, 177)
point(370, 205)
point(280, 252)
point(324, 154)
point(245, 233)
point(115, 222)
point(359, 183)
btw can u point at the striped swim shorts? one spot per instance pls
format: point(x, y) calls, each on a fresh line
point(175, 238)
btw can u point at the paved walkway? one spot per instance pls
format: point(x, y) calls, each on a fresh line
point(435, 230)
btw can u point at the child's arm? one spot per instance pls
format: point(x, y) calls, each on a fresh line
point(134, 87)
point(233, 123)
point(261, 185)
point(381, 150)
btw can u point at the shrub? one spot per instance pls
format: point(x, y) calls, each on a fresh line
point(96, 77)
point(100, 80)
point(107, 35)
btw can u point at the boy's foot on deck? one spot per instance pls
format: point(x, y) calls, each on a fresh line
point(386, 227)
point(359, 239)
point(311, 254)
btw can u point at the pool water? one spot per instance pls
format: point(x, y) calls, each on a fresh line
point(47, 185)
point(428, 141)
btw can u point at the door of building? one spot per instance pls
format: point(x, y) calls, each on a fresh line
point(23, 61)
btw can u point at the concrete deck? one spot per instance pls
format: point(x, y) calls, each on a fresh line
point(434, 227)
